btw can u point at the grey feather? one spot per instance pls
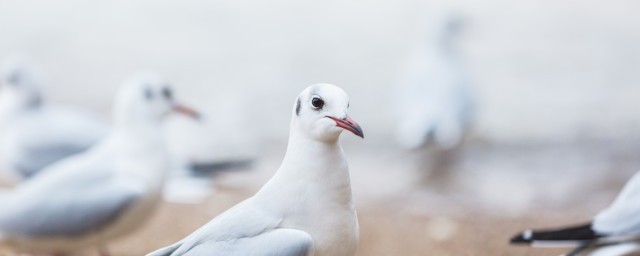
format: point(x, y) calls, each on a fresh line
point(36, 159)
point(65, 213)
point(242, 230)
point(72, 197)
point(279, 242)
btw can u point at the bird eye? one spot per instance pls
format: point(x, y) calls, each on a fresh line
point(167, 93)
point(317, 103)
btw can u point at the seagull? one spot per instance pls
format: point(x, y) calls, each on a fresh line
point(86, 200)
point(306, 207)
point(435, 103)
point(35, 134)
point(618, 224)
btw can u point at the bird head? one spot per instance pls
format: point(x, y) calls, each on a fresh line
point(148, 98)
point(20, 83)
point(321, 111)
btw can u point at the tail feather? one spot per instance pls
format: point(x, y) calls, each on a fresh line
point(576, 234)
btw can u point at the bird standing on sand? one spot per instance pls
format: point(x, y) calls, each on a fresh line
point(86, 200)
point(618, 224)
point(35, 134)
point(306, 207)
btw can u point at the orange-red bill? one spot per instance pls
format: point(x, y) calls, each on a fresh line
point(348, 124)
point(182, 109)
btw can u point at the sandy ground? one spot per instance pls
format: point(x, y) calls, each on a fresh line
point(408, 206)
point(383, 231)
point(442, 214)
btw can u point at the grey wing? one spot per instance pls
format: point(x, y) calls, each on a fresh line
point(67, 212)
point(54, 134)
point(277, 242)
point(35, 159)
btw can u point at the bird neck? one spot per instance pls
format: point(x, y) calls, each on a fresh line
point(140, 138)
point(311, 168)
point(440, 46)
point(130, 122)
point(10, 107)
point(141, 155)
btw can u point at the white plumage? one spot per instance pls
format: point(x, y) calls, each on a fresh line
point(88, 199)
point(306, 208)
point(34, 133)
point(623, 216)
point(615, 226)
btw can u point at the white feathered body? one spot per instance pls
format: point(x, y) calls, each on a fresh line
point(306, 208)
point(32, 139)
point(139, 168)
point(305, 198)
point(623, 216)
point(315, 200)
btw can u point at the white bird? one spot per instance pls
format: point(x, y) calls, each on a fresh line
point(435, 104)
point(35, 134)
point(618, 224)
point(89, 199)
point(306, 208)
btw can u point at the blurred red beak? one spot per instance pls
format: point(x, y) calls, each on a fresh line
point(187, 111)
point(348, 124)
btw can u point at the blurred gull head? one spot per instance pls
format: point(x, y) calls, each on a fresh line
point(147, 98)
point(20, 83)
point(321, 112)
point(449, 24)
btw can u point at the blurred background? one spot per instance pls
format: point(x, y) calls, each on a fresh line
point(554, 136)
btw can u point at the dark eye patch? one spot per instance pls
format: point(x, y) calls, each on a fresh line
point(167, 93)
point(317, 102)
point(298, 107)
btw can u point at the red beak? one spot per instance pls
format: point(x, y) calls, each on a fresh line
point(182, 109)
point(348, 124)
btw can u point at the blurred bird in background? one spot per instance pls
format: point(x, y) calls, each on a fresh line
point(617, 225)
point(435, 106)
point(34, 132)
point(89, 199)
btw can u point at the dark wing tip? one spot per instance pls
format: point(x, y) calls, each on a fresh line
point(522, 238)
point(582, 232)
point(212, 168)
